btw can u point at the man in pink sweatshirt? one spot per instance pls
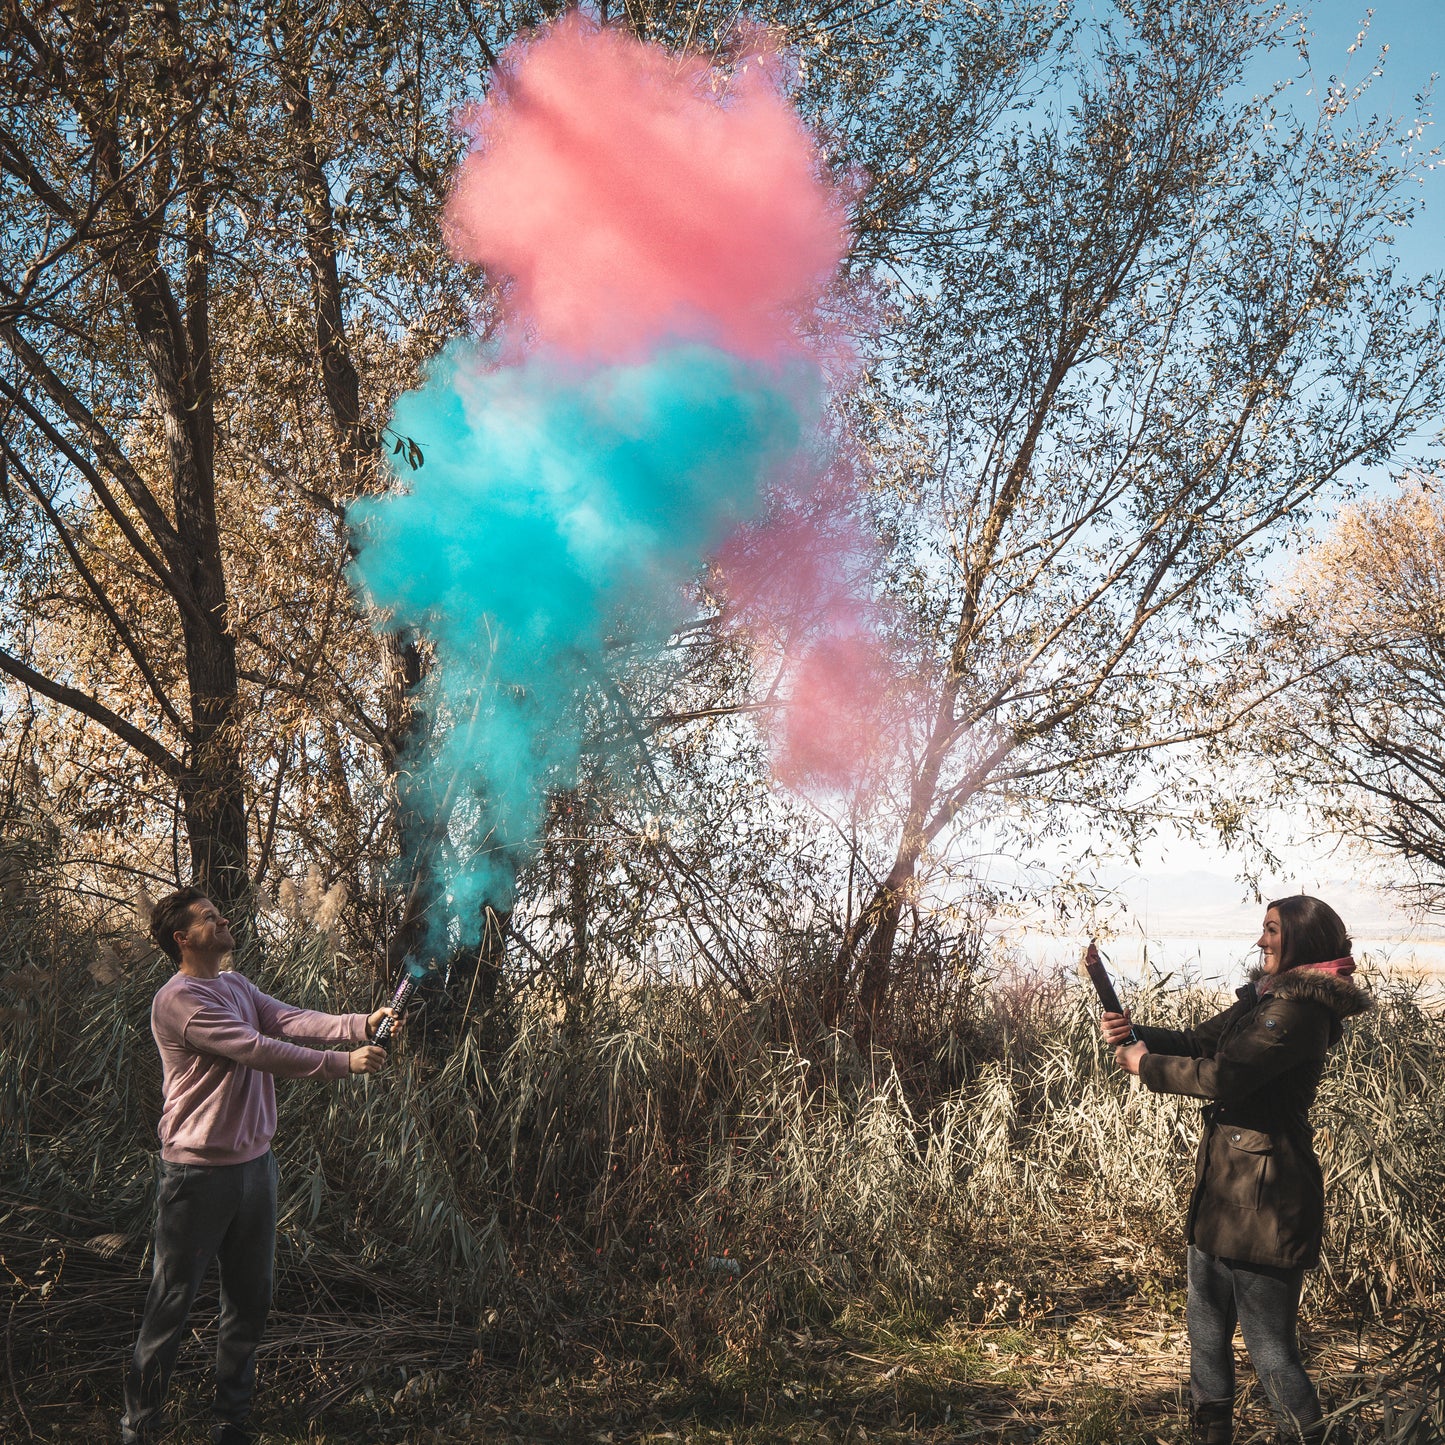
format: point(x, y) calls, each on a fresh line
point(222, 1042)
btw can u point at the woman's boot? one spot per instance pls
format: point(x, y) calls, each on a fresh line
point(1211, 1422)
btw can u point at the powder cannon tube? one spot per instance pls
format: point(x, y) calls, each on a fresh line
point(1093, 968)
point(412, 974)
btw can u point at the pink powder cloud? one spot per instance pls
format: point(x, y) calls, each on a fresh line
point(632, 196)
point(832, 728)
point(799, 582)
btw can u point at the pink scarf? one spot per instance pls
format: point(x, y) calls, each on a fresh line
point(1339, 967)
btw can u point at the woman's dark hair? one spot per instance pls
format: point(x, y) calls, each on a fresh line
point(1309, 932)
point(172, 915)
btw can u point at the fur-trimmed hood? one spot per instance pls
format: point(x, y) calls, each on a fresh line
point(1342, 996)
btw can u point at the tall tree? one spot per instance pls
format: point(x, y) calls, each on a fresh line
point(1355, 730)
point(165, 175)
point(1163, 332)
point(111, 194)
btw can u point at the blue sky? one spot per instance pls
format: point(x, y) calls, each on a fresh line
point(1414, 31)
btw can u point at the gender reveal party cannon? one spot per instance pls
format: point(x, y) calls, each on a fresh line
point(412, 973)
point(1098, 975)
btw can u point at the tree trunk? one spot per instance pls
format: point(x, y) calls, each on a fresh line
point(176, 342)
point(877, 925)
point(878, 954)
point(213, 806)
point(412, 832)
point(358, 444)
point(874, 930)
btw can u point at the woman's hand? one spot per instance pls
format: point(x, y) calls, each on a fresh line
point(1116, 1027)
point(1127, 1056)
point(368, 1059)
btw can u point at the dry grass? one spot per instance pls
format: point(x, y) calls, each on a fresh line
point(670, 1212)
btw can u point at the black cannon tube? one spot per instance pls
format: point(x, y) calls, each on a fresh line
point(412, 974)
point(1103, 985)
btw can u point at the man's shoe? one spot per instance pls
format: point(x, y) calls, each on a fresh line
point(229, 1433)
point(1211, 1422)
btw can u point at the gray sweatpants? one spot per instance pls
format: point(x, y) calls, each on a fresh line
point(226, 1213)
point(1265, 1302)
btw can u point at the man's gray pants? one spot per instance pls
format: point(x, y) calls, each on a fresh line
point(204, 1212)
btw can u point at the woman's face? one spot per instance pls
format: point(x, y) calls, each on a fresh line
point(1269, 942)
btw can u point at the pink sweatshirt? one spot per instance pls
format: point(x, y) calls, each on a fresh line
point(219, 1045)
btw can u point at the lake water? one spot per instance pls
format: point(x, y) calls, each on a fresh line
point(1210, 960)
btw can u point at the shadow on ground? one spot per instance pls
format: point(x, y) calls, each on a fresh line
point(1105, 1367)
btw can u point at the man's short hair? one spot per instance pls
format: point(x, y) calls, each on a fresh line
point(172, 915)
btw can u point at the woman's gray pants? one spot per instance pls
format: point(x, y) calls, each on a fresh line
point(1265, 1302)
point(222, 1212)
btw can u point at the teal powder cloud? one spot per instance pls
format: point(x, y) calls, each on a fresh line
point(555, 505)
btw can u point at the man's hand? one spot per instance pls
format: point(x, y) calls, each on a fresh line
point(368, 1059)
point(1115, 1027)
point(1127, 1057)
point(373, 1022)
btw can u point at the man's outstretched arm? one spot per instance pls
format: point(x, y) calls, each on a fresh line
point(215, 1031)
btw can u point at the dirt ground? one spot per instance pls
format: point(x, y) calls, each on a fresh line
point(1112, 1372)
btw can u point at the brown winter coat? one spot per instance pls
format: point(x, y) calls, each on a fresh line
point(1259, 1195)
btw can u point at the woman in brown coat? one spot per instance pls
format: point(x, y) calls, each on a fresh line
point(1257, 1211)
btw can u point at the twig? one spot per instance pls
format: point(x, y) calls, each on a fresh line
point(10, 1368)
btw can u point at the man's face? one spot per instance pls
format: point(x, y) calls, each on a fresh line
point(208, 934)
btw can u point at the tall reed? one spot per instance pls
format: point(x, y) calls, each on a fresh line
point(685, 1171)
